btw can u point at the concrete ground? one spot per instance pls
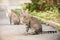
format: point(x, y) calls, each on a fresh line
point(17, 32)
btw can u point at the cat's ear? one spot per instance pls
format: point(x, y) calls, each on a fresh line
point(26, 12)
point(26, 9)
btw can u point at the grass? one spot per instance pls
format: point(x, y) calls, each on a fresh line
point(54, 16)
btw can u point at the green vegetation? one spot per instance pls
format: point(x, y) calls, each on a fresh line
point(48, 12)
point(58, 28)
point(35, 5)
point(49, 15)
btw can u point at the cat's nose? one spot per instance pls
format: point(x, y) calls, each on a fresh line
point(27, 24)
